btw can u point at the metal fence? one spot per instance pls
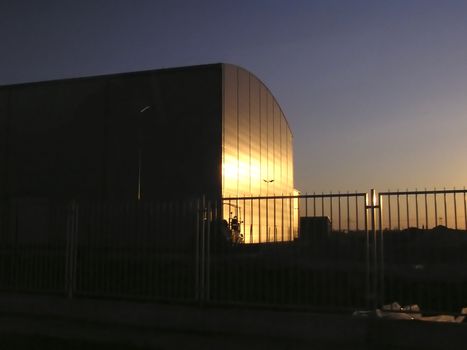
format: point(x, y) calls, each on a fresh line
point(422, 239)
point(107, 249)
point(306, 251)
point(336, 251)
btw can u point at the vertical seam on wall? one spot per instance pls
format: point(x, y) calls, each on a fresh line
point(249, 141)
point(238, 135)
point(260, 160)
point(273, 142)
point(280, 150)
point(249, 125)
point(267, 144)
point(223, 130)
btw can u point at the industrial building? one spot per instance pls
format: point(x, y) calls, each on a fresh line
point(212, 130)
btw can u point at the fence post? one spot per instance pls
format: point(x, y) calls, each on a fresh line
point(203, 251)
point(209, 220)
point(373, 268)
point(197, 250)
point(374, 249)
point(200, 267)
point(71, 251)
point(381, 250)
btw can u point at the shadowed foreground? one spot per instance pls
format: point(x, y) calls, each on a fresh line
point(41, 322)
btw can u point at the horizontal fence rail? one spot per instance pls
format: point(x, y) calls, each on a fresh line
point(321, 251)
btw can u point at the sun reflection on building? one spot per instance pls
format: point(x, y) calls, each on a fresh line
point(257, 158)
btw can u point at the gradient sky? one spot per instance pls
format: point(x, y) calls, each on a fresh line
point(375, 91)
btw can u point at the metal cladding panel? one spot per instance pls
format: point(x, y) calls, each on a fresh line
point(55, 141)
point(103, 137)
point(257, 155)
point(230, 133)
point(173, 121)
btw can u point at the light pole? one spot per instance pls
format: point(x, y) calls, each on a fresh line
point(140, 150)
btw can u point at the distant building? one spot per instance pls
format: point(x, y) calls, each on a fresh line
point(213, 130)
point(313, 228)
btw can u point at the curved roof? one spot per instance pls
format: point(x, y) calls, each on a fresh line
point(133, 73)
point(265, 86)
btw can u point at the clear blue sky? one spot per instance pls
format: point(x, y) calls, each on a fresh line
point(375, 91)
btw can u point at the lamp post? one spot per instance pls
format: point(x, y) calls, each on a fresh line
point(140, 150)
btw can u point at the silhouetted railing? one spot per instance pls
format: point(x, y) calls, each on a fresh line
point(423, 238)
point(301, 251)
point(336, 251)
point(424, 209)
point(113, 249)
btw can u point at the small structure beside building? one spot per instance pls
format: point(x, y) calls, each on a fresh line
point(314, 228)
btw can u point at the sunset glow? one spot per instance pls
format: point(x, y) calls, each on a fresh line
point(257, 158)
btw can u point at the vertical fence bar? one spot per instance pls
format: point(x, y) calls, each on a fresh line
point(436, 208)
point(445, 209)
point(210, 219)
point(398, 212)
point(314, 204)
point(75, 248)
point(290, 218)
point(322, 204)
point(244, 220)
point(426, 210)
point(339, 209)
point(367, 254)
point(296, 210)
point(238, 213)
point(374, 249)
point(274, 222)
point(155, 268)
point(17, 266)
point(330, 211)
point(356, 213)
point(203, 250)
point(251, 221)
point(381, 251)
point(69, 230)
point(267, 219)
point(306, 205)
point(407, 208)
point(282, 218)
point(71, 250)
point(197, 249)
point(171, 224)
point(96, 282)
point(69, 226)
point(465, 212)
point(416, 207)
point(348, 212)
point(389, 210)
point(455, 210)
point(259, 220)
